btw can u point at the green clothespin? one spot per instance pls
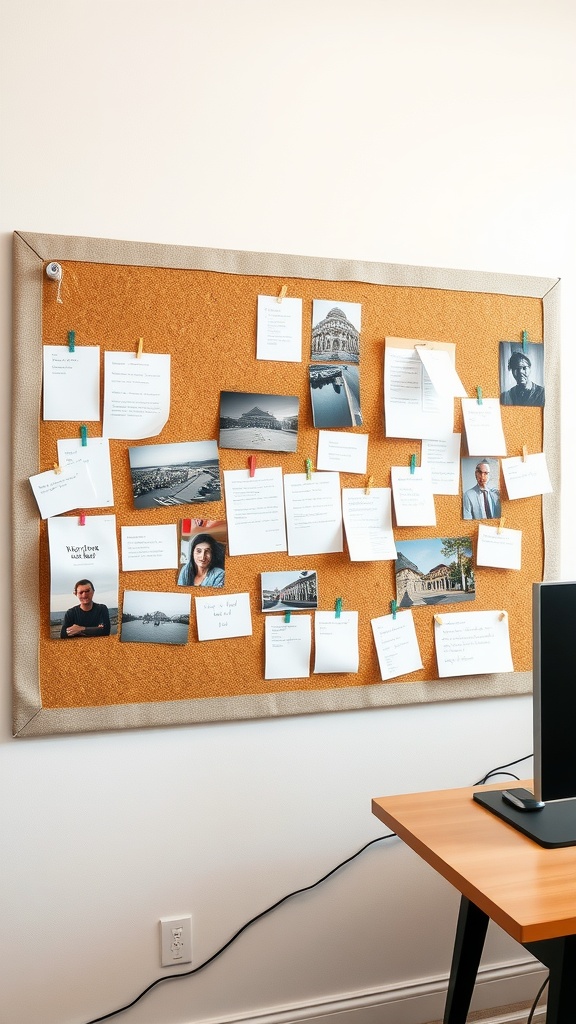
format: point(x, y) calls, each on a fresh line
point(338, 607)
point(308, 465)
point(287, 616)
point(71, 340)
point(84, 435)
point(412, 464)
point(393, 608)
point(479, 395)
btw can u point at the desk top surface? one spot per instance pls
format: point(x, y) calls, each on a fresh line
point(526, 889)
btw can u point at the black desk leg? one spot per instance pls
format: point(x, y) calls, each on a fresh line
point(559, 955)
point(468, 946)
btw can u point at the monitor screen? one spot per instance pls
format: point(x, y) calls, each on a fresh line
point(554, 677)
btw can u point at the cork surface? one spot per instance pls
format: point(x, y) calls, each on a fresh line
point(207, 321)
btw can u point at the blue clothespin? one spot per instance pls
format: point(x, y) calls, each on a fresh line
point(393, 608)
point(84, 435)
point(524, 342)
point(71, 340)
point(479, 395)
point(287, 616)
point(338, 607)
point(412, 464)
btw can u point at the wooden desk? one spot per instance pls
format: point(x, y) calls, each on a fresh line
point(526, 889)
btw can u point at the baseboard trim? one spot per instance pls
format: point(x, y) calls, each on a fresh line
point(414, 1002)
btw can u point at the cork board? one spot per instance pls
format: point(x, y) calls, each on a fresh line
point(200, 305)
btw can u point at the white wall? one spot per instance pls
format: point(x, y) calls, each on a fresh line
point(439, 134)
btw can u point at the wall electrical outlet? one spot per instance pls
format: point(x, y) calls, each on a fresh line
point(176, 940)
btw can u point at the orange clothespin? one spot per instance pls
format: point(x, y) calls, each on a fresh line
point(252, 464)
point(501, 616)
point(282, 293)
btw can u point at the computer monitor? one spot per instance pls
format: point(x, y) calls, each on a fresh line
point(554, 679)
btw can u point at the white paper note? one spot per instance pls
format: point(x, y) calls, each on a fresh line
point(442, 457)
point(279, 332)
point(442, 372)
point(96, 455)
point(313, 513)
point(499, 548)
point(71, 383)
point(255, 511)
point(412, 407)
point(136, 394)
point(368, 524)
point(61, 492)
point(222, 617)
point(472, 643)
point(396, 645)
point(526, 478)
point(483, 423)
point(413, 498)
point(149, 547)
point(336, 642)
point(341, 452)
point(288, 646)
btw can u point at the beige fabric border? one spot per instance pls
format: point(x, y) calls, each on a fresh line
point(31, 251)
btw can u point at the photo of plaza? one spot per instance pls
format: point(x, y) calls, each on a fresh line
point(260, 422)
point(336, 331)
point(184, 473)
point(434, 570)
point(289, 591)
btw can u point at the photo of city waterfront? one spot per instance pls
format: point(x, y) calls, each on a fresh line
point(335, 393)
point(261, 422)
point(155, 618)
point(185, 473)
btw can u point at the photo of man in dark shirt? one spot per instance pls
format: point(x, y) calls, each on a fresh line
point(87, 618)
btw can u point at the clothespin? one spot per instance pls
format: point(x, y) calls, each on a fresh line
point(287, 616)
point(501, 616)
point(252, 464)
point(282, 294)
point(71, 340)
point(524, 452)
point(524, 342)
point(501, 524)
point(479, 395)
point(84, 435)
point(82, 519)
point(140, 348)
point(412, 464)
point(438, 619)
point(393, 608)
point(338, 607)
point(369, 484)
point(308, 465)
point(57, 468)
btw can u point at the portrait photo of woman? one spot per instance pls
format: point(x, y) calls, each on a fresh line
point(205, 563)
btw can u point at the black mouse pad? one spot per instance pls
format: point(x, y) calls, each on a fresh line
point(552, 826)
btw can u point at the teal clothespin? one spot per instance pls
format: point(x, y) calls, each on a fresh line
point(338, 607)
point(308, 465)
point(412, 464)
point(287, 616)
point(479, 395)
point(393, 608)
point(524, 342)
point(71, 340)
point(84, 435)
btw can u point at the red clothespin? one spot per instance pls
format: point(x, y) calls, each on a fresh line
point(82, 519)
point(252, 464)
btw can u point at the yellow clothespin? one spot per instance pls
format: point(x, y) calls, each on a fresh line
point(308, 467)
point(438, 619)
point(524, 452)
point(501, 524)
point(369, 484)
point(140, 348)
point(57, 468)
point(282, 294)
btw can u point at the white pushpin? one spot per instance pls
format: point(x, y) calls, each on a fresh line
point(55, 273)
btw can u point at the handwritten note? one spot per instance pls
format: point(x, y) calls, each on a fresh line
point(255, 511)
point(149, 547)
point(61, 492)
point(499, 548)
point(288, 647)
point(136, 394)
point(483, 423)
point(341, 452)
point(472, 643)
point(313, 513)
point(368, 524)
point(219, 618)
point(413, 498)
point(96, 455)
point(524, 478)
point(396, 645)
point(279, 331)
point(71, 383)
point(336, 642)
point(442, 457)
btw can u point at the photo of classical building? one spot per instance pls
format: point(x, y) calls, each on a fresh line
point(261, 422)
point(424, 580)
point(335, 332)
point(289, 591)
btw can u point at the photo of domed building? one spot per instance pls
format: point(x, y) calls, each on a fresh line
point(335, 332)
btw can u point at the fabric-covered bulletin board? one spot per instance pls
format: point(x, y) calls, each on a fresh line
point(200, 305)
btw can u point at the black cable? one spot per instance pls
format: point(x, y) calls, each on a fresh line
point(537, 999)
point(263, 913)
point(499, 770)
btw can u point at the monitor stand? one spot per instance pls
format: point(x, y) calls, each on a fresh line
point(553, 826)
